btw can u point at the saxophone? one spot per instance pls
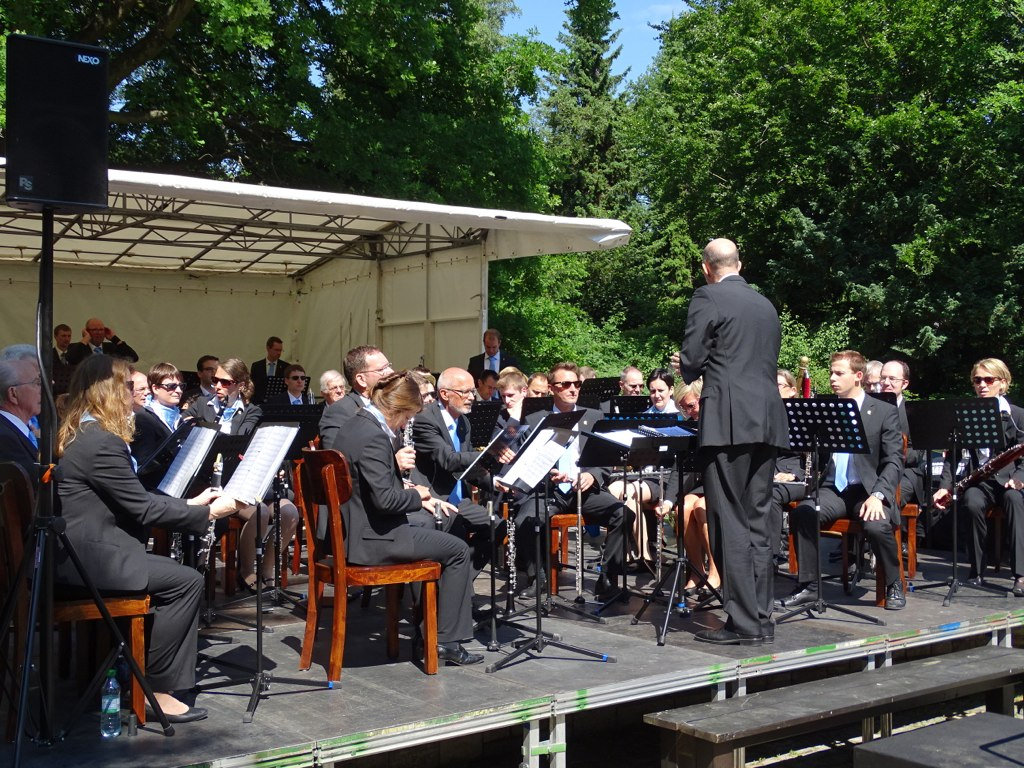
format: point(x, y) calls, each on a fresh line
point(205, 543)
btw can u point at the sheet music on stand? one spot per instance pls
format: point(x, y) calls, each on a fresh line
point(261, 462)
point(541, 451)
point(186, 464)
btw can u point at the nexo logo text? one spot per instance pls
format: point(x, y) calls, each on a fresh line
point(86, 59)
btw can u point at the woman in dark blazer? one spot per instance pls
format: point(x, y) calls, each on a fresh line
point(233, 410)
point(109, 514)
point(377, 527)
point(155, 421)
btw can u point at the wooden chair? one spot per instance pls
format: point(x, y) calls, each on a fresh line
point(910, 514)
point(18, 504)
point(326, 481)
point(560, 525)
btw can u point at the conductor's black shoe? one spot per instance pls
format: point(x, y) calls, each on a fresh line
point(895, 600)
point(725, 636)
point(455, 654)
point(803, 594)
point(1018, 587)
point(190, 715)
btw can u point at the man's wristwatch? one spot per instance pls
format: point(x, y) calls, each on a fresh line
point(879, 495)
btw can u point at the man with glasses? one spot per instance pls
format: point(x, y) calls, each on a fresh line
point(269, 368)
point(101, 341)
point(444, 450)
point(990, 377)
point(296, 392)
point(364, 366)
point(332, 386)
point(895, 378)
point(599, 506)
point(20, 400)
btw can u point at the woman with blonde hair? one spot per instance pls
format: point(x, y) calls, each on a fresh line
point(108, 515)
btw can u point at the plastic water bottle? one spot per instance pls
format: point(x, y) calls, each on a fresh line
point(110, 706)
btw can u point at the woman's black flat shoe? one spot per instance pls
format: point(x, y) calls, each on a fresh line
point(190, 715)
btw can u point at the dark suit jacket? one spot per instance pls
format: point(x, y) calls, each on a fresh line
point(14, 446)
point(881, 469)
point(115, 347)
point(476, 363)
point(61, 373)
point(242, 423)
point(150, 432)
point(1013, 429)
point(732, 340)
point(109, 514)
point(376, 522)
point(586, 424)
point(437, 461)
point(258, 374)
point(285, 399)
point(335, 416)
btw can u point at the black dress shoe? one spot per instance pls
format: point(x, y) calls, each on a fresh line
point(727, 637)
point(804, 594)
point(768, 632)
point(1018, 587)
point(895, 600)
point(190, 715)
point(457, 655)
point(605, 589)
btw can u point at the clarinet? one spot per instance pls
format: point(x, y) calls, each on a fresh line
point(510, 551)
point(205, 543)
point(407, 443)
point(805, 391)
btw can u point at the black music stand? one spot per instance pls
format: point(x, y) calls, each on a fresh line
point(593, 392)
point(534, 404)
point(640, 452)
point(482, 419)
point(959, 424)
point(831, 424)
point(683, 452)
point(629, 404)
point(526, 472)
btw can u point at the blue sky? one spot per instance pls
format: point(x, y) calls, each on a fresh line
point(639, 42)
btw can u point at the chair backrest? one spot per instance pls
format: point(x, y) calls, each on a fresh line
point(16, 506)
point(328, 482)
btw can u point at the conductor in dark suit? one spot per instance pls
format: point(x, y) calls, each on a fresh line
point(858, 485)
point(732, 339)
point(109, 514)
point(271, 367)
point(102, 341)
point(493, 358)
point(20, 399)
point(444, 450)
point(364, 367)
point(377, 528)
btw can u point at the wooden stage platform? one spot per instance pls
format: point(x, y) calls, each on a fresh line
point(381, 707)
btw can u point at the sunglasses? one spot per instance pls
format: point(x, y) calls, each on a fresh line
point(563, 385)
point(298, 378)
point(171, 387)
point(223, 382)
point(986, 380)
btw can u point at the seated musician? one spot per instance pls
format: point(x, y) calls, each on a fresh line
point(206, 369)
point(296, 392)
point(364, 367)
point(332, 386)
point(696, 539)
point(20, 402)
point(108, 515)
point(140, 391)
point(991, 378)
point(914, 483)
point(788, 484)
point(538, 386)
point(427, 383)
point(232, 410)
point(157, 419)
point(485, 384)
point(377, 527)
point(857, 486)
point(645, 496)
point(444, 450)
point(599, 506)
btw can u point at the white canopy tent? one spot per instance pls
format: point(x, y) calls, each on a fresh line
point(181, 267)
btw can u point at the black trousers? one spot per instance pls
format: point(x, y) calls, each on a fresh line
point(171, 643)
point(599, 508)
point(738, 490)
point(835, 505)
point(471, 525)
point(974, 505)
point(782, 495)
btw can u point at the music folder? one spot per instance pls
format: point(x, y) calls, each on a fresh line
point(541, 451)
point(262, 460)
point(186, 464)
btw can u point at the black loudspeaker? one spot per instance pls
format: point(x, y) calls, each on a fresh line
point(56, 125)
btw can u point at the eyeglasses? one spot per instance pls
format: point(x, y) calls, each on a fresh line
point(223, 382)
point(893, 379)
point(382, 369)
point(428, 397)
point(36, 382)
point(336, 388)
point(563, 385)
point(637, 386)
point(987, 380)
point(174, 385)
point(463, 392)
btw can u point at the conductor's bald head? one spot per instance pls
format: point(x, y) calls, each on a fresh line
point(721, 258)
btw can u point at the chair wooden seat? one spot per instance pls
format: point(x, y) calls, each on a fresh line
point(560, 525)
point(17, 504)
point(323, 479)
